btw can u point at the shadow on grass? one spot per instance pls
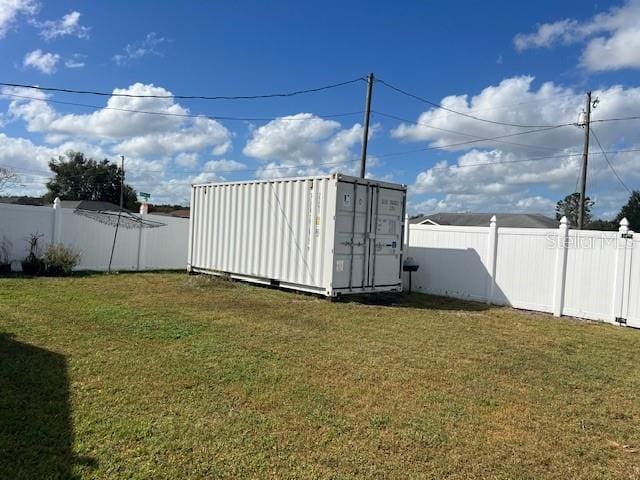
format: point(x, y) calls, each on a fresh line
point(383, 299)
point(36, 434)
point(23, 276)
point(83, 274)
point(415, 300)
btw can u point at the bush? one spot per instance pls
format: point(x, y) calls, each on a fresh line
point(60, 260)
point(33, 264)
point(5, 255)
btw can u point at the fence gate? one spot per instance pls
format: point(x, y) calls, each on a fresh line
point(626, 296)
point(630, 308)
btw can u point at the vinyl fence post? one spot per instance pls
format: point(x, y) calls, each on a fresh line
point(619, 275)
point(142, 239)
point(405, 251)
point(561, 267)
point(57, 221)
point(626, 293)
point(407, 232)
point(491, 258)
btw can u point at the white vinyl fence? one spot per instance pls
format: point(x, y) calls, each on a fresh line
point(587, 274)
point(136, 249)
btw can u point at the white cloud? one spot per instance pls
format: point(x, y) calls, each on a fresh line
point(69, 24)
point(512, 203)
point(495, 175)
point(619, 51)
point(136, 134)
point(45, 62)
point(10, 10)
point(187, 159)
point(76, 61)
point(168, 191)
point(214, 170)
point(196, 135)
point(23, 153)
point(304, 144)
point(563, 31)
point(515, 100)
point(612, 38)
point(30, 161)
point(496, 172)
point(155, 146)
point(149, 46)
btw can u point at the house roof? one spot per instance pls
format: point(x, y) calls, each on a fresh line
point(185, 213)
point(33, 201)
point(182, 213)
point(90, 205)
point(513, 220)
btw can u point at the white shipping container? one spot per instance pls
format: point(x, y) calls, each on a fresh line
point(330, 235)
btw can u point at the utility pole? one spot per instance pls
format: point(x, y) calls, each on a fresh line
point(115, 235)
point(367, 117)
point(585, 160)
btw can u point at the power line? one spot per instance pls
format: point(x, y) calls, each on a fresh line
point(515, 104)
point(495, 122)
point(448, 167)
point(280, 117)
point(42, 173)
point(473, 117)
point(48, 175)
point(389, 154)
point(469, 142)
point(458, 132)
point(608, 162)
point(185, 115)
point(618, 119)
point(186, 97)
point(502, 162)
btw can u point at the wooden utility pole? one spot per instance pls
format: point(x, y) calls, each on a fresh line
point(365, 134)
point(585, 160)
point(115, 235)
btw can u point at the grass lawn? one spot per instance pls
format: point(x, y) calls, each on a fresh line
point(168, 376)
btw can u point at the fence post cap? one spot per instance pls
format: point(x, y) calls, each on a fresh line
point(624, 222)
point(56, 203)
point(563, 220)
point(493, 220)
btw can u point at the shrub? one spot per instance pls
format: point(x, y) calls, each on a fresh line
point(33, 265)
point(60, 260)
point(5, 252)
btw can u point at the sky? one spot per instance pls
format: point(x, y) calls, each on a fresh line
point(528, 65)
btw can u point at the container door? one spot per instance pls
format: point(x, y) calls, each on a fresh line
point(385, 238)
point(368, 237)
point(352, 227)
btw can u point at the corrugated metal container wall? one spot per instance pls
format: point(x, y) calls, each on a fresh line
point(329, 235)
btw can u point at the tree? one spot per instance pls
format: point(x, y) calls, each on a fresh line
point(604, 225)
point(80, 178)
point(165, 208)
point(631, 211)
point(7, 177)
point(570, 207)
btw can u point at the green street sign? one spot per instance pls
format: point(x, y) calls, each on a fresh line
point(144, 195)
